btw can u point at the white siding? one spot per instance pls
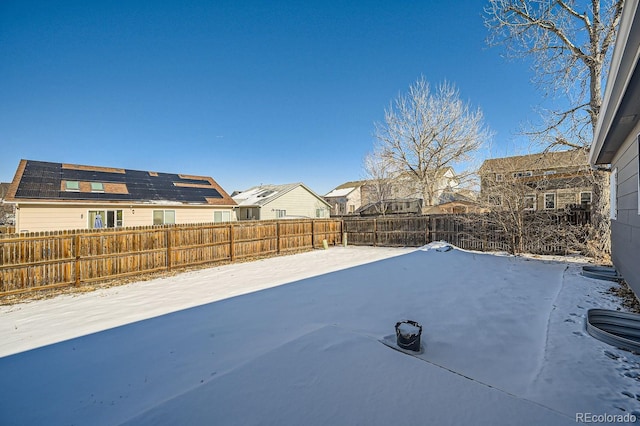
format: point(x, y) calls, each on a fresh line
point(297, 202)
point(354, 199)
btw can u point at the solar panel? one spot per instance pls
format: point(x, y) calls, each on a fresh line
point(42, 180)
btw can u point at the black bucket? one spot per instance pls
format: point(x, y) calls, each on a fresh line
point(408, 335)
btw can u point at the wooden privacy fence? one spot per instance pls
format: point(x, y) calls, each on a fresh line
point(388, 232)
point(544, 233)
point(38, 261)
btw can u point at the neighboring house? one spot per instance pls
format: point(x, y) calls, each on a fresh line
point(397, 206)
point(456, 202)
point(57, 196)
point(616, 142)
point(405, 186)
point(293, 200)
point(7, 216)
point(346, 198)
point(551, 181)
point(398, 195)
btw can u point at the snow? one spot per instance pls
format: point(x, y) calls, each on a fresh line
point(296, 340)
point(408, 330)
point(340, 192)
point(256, 196)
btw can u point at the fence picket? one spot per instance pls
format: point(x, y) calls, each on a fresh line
point(35, 261)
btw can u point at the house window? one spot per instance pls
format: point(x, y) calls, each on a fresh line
point(352, 208)
point(104, 219)
point(499, 177)
point(281, 213)
point(97, 187)
point(528, 173)
point(585, 198)
point(550, 201)
point(72, 186)
point(319, 212)
point(164, 217)
point(613, 200)
point(550, 172)
point(221, 217)
point(495, 200)
point(530, 202)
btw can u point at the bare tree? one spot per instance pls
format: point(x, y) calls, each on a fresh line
point(425, 132)
point(570, 42)
point(518, 214)
point(379, 188)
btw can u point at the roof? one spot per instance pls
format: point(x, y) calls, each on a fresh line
point(264, 194)
point(39, 181)
point(620, 111)
point(347, 187)
point(539, 161)
point(4, 189)
point(343, 192)
point(352, 184)
point(462, 196)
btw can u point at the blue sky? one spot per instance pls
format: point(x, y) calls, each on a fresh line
point(247, 92)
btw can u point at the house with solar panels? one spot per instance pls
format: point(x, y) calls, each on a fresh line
point(58, 196)
point(289, 201)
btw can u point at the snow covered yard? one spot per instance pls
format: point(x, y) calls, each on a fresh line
point(504, 339)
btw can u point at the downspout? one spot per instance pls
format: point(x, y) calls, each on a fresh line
point(16, 217)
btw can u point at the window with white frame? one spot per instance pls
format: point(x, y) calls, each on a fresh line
point(499, 177)
point(319, 212)
point(221, 217)
point(281, 213)
point(613, 198)
point(550, 201)
point(72, 186)
point(164, 217)
point(97, 187)
point(585, 198)
point(530, 202)
point(104, 219)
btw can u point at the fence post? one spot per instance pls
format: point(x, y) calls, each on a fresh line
point(169, 251)
point(375, 232)
point(484, 234)
point(426, 230)
point(76, 243)
point(232, 251)
point(277, 237)
point(313, 233)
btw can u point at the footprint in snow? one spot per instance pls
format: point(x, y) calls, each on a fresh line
point(611, 355)
point(632, 375)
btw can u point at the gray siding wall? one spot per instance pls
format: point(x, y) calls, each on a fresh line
point(625, 229)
